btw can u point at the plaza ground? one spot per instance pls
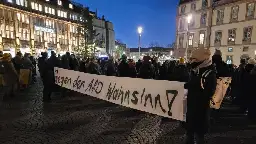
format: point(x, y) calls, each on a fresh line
point(87, 120)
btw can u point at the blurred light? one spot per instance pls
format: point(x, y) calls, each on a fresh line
point(140, 29)
point(189, 18)
point(116, 47)
point(171, 53)
point(123, 52)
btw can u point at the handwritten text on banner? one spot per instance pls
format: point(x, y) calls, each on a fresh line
point(163, 98)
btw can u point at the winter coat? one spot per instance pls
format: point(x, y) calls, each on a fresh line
point(181, 73)
point(17, 62)
point(10, 75)
point(123, 69)
point(52, 62)
point(198, 100)
point(252, 94)
point(27, 63)
point(93, 68)
point(146, 71)
point(65, 62)
point(110, 69)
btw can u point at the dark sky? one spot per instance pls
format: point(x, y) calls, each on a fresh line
point(157, 17)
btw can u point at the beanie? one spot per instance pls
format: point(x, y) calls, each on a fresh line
point(201, 54)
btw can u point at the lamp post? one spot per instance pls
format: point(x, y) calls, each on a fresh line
point(189, 17)
point(140, 29)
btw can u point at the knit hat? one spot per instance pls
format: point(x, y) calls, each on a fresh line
point(182, 60)
point(252, 61)
point(201, 54)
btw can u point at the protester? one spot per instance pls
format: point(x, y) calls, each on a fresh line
point(146, 70)
point(10, 76)
point(201, 88)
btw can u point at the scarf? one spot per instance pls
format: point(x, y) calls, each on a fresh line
point(204, 64)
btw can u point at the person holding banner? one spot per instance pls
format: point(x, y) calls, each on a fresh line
point(199, 95)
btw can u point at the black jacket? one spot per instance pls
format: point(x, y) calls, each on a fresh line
point(198, 100)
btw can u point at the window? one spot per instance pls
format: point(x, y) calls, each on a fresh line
point(53, 11)
point(201, 37)
point(47, 0)
point(58, 12)
point(18, 16)
point(250, 10)
point(46, 9)
point(181, 38)
point(59, 2)
point(220, 16)
point(234, 13)
point(21, 2)
point(191, 23)
point(204, 3)
point(203, 19)
point(190, 39)
point(181, 24)
point(229, 59)
point(10, 1)
point(245, 49)
point(231, 35)
point(36, 6)
point(32, 5)
point(183, 9)
point(218, 37)
point(193, 6)
point(70, 6)
point(230, 49)
point(247, 34)
point(40, 7)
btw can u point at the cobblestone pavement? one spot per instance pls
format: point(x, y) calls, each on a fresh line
point(83, 119)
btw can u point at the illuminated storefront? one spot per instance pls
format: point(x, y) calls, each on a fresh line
point(34, 33)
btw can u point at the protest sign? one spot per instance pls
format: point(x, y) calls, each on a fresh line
point(164, 98)
point(220, 92)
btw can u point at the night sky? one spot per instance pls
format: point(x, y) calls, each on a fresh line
point(157, 17)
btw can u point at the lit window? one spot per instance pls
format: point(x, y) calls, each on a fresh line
point(65, 14)
point(36, 6)
point(47, 0)
point(70, 6)
point(32, 5)
point(53, 11)
point(10, 1)
point(59, 2)
point(231, 35)
point(40, 7)
point(18, 16)
point(58, 12)
point(229, 60)
point(18, 2)
point(46, 9)
point(201, 37)
point(190, 39)
point(245, 49)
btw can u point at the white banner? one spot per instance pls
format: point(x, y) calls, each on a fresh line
point(164, 98)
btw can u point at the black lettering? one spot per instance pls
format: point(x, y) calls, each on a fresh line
point(148, 96)
point(115, 94)
point(90, 86)
point(170, 102)
point(110, 91)
point(157, 99)
point(100, 84)
point(78, 83)
point(121, 93)
point(135, 100)
point(126, 96)
point(141, 100)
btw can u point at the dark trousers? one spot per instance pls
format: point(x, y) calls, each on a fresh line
point(193, 136)
point(47, 91)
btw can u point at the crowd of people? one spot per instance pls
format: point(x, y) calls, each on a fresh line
point(200, 75)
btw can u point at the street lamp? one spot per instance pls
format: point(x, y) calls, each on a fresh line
point(189, 18)
point(140, 29)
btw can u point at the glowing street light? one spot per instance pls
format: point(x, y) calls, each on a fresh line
point(189, 18)
point(140, 29)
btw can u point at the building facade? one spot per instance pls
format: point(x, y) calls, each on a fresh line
point(33, 26)
point(227, 25)
point(105, 36)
